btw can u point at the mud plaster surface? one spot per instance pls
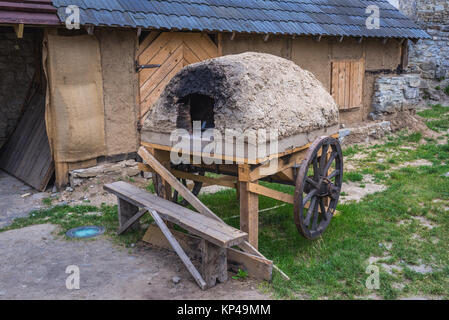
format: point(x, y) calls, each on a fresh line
point(251, 91)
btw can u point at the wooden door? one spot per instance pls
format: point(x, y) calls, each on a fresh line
point(173, 51)
point(347, 83)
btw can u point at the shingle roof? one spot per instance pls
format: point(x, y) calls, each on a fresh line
point(36, 12)
point(292, 17)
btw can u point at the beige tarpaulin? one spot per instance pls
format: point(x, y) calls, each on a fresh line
point(75, 109)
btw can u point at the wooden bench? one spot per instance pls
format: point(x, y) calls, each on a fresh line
point(216, 236)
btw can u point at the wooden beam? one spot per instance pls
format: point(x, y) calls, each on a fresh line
point(210, 181)
point(267, 192)
point(257, 267)
point(175, 245)
point(178, 186)
point(19, 29)
point(277, 165)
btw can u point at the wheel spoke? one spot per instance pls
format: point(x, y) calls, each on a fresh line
point(323, 209)
point(315, 218)
point(323, 158)
point(329, 163)
point(334, 174)
point(308, 197)
point(315, 168)
point(310, 212)
point(312, 182)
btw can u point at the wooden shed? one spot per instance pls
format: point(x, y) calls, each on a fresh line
point(104, 77)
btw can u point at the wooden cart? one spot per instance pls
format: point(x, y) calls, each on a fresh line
point(317, 180)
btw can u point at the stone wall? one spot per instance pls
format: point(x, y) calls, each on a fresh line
point(426, 11)
point(17, 68)
point(430, 57)
point(395, 93)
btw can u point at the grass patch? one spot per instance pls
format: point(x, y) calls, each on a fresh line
point(352, 176)
point(437, 117)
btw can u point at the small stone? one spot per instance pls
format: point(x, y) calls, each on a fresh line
point(132, 245)
point(176, 279)
point(26, 195)
point(54, 189)
point(95, 213)
point(69, 189)
point(446, 175)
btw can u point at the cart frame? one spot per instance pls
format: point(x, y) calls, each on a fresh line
point(291, 167)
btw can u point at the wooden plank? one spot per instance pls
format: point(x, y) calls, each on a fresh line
point(175, 245)
point(131, 221)
point(347, 66)
point(147, 41)
point(210, 229)
point(334, 84)
point(257, 267)
point(267, 192)
point(189, 56)
point(341, 85)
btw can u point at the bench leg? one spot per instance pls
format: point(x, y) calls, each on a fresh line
point(214, 264)
point(126, 211)
point(175, 245)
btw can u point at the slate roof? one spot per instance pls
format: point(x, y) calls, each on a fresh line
point(287, 17)
point(36, 12)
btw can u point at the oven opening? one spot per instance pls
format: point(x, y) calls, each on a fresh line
point(196, 107)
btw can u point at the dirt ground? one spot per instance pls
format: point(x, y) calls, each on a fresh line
point(34, 260)
point(17, 199)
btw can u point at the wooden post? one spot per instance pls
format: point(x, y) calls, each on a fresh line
point(214, 263)
point(164, 158)
point(127, 211)
point(61, 174)
point(249, 207)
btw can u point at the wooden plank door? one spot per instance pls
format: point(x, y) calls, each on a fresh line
point(27, 154)
point(173, 51)
point(347, 83)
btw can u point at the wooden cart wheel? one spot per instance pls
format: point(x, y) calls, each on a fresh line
point(318, 187)
point(161, 191)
